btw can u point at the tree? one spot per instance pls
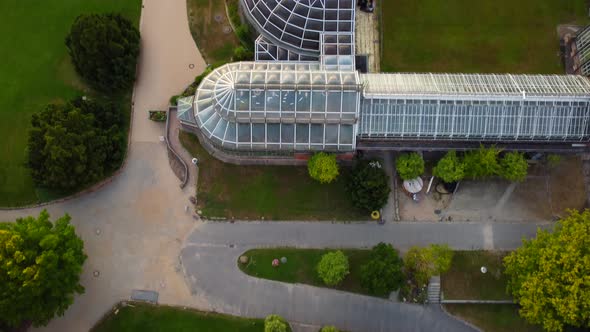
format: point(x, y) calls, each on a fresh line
point(482, 163)
point(333, 268)
point(548, 275)
point(382, 274)
point(40, 267)
point(275, 323)
point(450, 168)
point(421, 263)
point(329, 328)
point(104, 50)
point(74, 144)
point(513, 167)
point(409, 166)
point(242, 54)
point(323, 167)
point(368, 186)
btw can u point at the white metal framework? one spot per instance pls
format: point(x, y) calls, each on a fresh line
point(583, 51)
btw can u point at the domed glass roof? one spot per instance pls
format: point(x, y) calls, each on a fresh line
point(297, 24)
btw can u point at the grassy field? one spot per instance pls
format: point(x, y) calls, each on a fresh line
point(492, 317)
point(301, 266)
point(208, 24)
point(35, 70)
point(464, 280)
point(475, 36)
point(272, 192)
point(148, 318)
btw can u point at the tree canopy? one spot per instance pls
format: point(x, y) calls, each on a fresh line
point(514, 167)
point(409, 166)
point(323, 167)
point(368, 186)
point(74, 144)
point(482, 163)
point(382, 274)
point(104, 50)
point(450, 168)
point(333, 268)
point(275, 323)
point(549, 276)
point(40, 266)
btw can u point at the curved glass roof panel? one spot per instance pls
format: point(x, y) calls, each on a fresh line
point(296, 25)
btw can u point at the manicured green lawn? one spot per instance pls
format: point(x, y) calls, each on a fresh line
point(272, 192)
point(35, 70)
point(475, 36)
point(492, 317)
point(301, 266)
point(464, 280)
point(148, 318)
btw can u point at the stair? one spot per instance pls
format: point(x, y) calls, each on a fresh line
point(434, 290)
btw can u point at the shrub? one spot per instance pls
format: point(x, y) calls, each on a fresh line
point(174, 100)
point(329, 328)
point(482, 163)
point(242, 54)
point(243, 34)
point(104, 50)
point(383, 273)
point(450, 168)
point(333, 268)
point(409, 166)
point(189, 91)
point(421, 263)
point(199, 78)
point(514, 167)
point(368, 186)
point(275, 323)
point(323, 167)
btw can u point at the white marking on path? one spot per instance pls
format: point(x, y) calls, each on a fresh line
point(488, 237)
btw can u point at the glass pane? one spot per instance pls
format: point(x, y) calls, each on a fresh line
point(318, 100)
point(243, 100)
point(345, 134)
point(331, 134)
point(302, 133)
point(288, 101)
point(244, 132)
point(258, 132)
point(303, 101)
point(273, 132)
point(334, 101)
point(273, 99)
point(317, 133)
point(258, 99)
point(287, 134)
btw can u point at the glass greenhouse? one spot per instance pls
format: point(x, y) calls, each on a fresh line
point(303, 94)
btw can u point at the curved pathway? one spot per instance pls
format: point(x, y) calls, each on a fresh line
point(141, 215)
point(211, 252)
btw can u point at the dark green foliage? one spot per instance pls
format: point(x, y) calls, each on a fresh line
point(243, 34)
point(368, 186)
point(174, 100)
point(409, 166)
point(482, 163)
point(104, 50)
point(40, 266)
point(450, 168)
point(242, 54)
point(514, 167)
point(383, 273)
point(74, 144)
point(199, 78)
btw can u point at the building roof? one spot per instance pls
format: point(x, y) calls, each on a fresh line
point(476, 85)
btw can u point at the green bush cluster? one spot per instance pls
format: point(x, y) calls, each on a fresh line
point(420, 264)
point(368, 186)
point(333, 268)
point(382, 274)
point(409, 166)
point(242, 30)
point(323, 167)
point(480, 164)
point(242, 54)
point(276, 323)
point(192, 88)
point(104, 49)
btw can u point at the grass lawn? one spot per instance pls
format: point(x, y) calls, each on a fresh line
point(301, 266)
point(208, 24)
point(464, 280)
point(492, 317)
point(147, 318)
point(476, 36)
point(272, 192)
point(35, 70)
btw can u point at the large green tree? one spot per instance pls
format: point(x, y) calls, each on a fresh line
point(40, 266)
point(549, 276)
point(74, 144)
point(482, 163)
point(450, 168)
point(382, 274)
point(104, 50)
point(409, 165)
point(514, 166)
point(369, 186)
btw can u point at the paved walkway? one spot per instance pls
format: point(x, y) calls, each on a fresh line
point(140, 215)
point(211, 252)
point(367, 38)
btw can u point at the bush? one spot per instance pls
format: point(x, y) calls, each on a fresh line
point(242, 54)
point(368, 186)
point(174, 100)
point(189, 91)
point(329, 328)
point(514, 167)
point(482, 163)
point(333, 268)
point(199, 78)
point(450, 168)
point(74, 144)
point(275, 323)
point(104, 50)
point(382, 274)
point(421, 263)
point(409, 166)
point(322, 167)
point(243, 34)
